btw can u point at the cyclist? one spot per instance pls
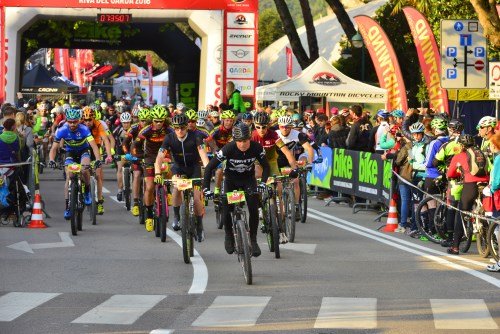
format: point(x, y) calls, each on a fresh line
point(417, 160)
point(77, 141)
point(293, 138)
point(247, 118)
point(135, 115)
point(135, 155)
point(240, 156)
point(98, 117)
point(441, 161)
point(439, 129)
point(120, 133)
point(486, 128)
point(382, 129)
point(459, 168)
point(192, 124)
point(203, 115)
point(215, 118)
point(186, 149)
point(152, 137)
point(100, 136)
point(218, 138)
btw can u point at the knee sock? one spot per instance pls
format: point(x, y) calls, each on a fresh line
point(177, 212)
point(149, 209)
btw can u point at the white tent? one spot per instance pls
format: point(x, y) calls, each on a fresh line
point(321, 79)
point(160, 88)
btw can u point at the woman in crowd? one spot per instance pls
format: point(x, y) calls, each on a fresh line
point(495, 188)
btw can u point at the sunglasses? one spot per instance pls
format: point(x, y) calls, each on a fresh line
point(87, 119)
point(158, 121)
point(261, 127)
point(72, 122)
point(191, 121)
point(182, 128)
point(284, 127)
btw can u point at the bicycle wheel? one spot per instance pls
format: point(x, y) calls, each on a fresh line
point(73, 207)
point(303, 199)
point(440, 220)
point(422, 220)
point(142, 211)
point(244, 255)
point(274, 226)
point(156, 217)
point(93, 195)
point(218, 213)
point(163, 214)
point(482, 238)
point(185, 234)
point(289, 206)
point(266, 226)
point(126, 187)
point(466, 241)
point(493, 232)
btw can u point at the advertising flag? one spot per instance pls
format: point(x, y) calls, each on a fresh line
point(150, 77)
point(288, 62)
point(429, 58)
point(62, 62)
point(384, 60)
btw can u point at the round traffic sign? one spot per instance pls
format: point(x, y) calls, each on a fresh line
point(479, 65)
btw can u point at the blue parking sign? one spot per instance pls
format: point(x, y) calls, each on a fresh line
point(479, 52)
point(451, 73)
point(451, 51)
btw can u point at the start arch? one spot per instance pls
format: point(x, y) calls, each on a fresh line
point(227, 28)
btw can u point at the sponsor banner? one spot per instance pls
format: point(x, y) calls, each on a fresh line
point(240, 53)
point(384, 60)
point(240, 37)
point(240, 71)
point(321, 174)
point(325, 79)
point(344, 163)
point(468, 94)
point(234, 5)
point(429, 58)
point(373, 177)
point(241, 20)
point(336, 96)
point(62, 62)
point(246, 87)
point(289, 62)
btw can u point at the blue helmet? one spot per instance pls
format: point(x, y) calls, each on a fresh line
point(247, 116)
point(398, 113)
point(73, 114)
point(383, 113)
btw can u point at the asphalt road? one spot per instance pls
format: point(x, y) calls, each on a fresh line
point(341, 276)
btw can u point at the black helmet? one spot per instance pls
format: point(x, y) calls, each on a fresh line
point(456, 126)
point(466, 140)
point(261, 118)
point(180, 120)
point(241, 131)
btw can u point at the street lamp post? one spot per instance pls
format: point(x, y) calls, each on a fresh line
point(357, 42)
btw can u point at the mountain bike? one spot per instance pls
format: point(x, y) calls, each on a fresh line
point(269, 221)
point(242, 247)
point(288, 197)
point(128, 180)
point(303, 170)
point(493, 235)
point(475, 226)
point(188, 218)
point(76, 201)
point(436, 230)
point(92, 208)
point(162, 192)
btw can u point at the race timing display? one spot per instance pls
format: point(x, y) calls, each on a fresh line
point(114, 18)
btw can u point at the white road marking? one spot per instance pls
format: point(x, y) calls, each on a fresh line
point(461, 314)
point(359, 313)
point(15, 304)
point(120, 310)
point(105, 191)
point(200, 271)
point(232, 311)
point(66, 241)
point(304, 248)
point(162, 331)
point(114, 199)
point(377, 236)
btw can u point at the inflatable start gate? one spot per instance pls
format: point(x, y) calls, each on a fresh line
point(227, 28)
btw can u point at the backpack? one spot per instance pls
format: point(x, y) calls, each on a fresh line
point(477, 161)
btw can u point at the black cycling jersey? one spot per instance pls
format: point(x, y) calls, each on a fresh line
point(184, 152)
point(294, 142)
point(239, 165)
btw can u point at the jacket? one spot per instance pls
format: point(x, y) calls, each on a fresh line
point(236, 102)
point(9, 147)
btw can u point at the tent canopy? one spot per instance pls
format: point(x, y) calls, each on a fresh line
point(39, 80)
point(321, 79)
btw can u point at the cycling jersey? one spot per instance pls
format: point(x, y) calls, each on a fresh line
point(431, 171)
point(270, 142)
point(132, 134)
point(184, 152)
point(152, 140)
point(443, 157)
point(200, 132)
point(77, 140)
point(294, 142)
point(221, 136)
point(98, 131)
point(119, 134)
point(240, 166)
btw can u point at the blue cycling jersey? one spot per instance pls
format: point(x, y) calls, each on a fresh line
point(74, 140)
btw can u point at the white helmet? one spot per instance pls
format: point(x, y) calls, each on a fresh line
point(104, 105)
point(202, 114)
point(66, 107)
point(214, 114)
point(125, 117)
point(200, 122)
point(285, 120)
point(487, 121)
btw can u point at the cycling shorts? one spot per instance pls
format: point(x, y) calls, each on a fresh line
point(430, 186)
point(76, 156)
point(191, 172)
point(136, 166)
point(274, 169)
point(149, 170)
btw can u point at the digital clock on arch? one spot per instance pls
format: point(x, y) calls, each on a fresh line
point(114, 18)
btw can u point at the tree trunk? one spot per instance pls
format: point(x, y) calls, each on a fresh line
point(488, 17)
point(344, 20)
point(312, 40)
point(291, 32)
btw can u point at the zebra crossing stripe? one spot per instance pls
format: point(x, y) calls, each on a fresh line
point(120, 310)
point(15, 304)
point(232, 311)
point(358, 313)
point(461, 314)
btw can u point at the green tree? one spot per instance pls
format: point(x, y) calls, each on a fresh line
point(270, 28)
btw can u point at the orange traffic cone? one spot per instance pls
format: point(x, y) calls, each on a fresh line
point(392, 218)
point(37, 215)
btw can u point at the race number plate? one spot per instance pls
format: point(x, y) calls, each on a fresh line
point(74, 168)
point(235, 197)
point(183, 184)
